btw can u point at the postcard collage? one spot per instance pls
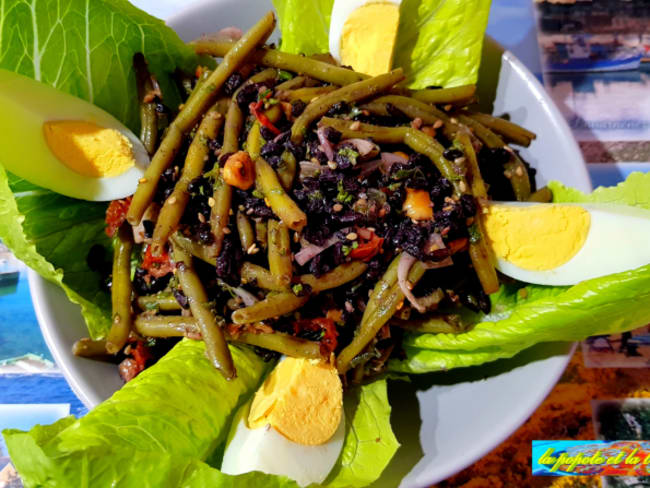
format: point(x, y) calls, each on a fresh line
point(595, 57)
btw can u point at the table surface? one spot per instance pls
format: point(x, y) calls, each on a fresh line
point(512, 23)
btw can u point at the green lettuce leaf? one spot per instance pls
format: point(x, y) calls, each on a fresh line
point(301, 36)
point(439, 42)
point(151, 431)
point(162, 428)
point(369, 442)
point(520, 319)
point(52, 233)
point(86, 48)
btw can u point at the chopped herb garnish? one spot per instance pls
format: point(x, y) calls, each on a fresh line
point(257, 194)
point(474, 233)
point(284, 75)
point(343, 196)
point(297, 288)
point(350, 154)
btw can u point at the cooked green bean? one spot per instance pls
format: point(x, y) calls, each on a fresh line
point(342, 274)
point(380, 134)
point(287, 170)
point(354, 92)
point(215, 342)
point(509, 130)
point(413, 109)
point(329, 73)
point(427, 145)
point(204, 253)
point(292, 84)
point(165, 301)
point(439, 324)
point(479, 250)
point(174, 207)
point(261, 277)
point(543, 195)
point(88, 348)
point(458, 95)
point(220, 214)
point(274, 305)
point(245, 230)
point(415, 139)
point(255, 141)
point(305, 94)
point(222, 195)
point(177, 326)
point(280, 202)
point(289, 62)
point(148, 114)
point(515, 169)
point(166, 326)
point(375, 318)
point(192, 110)
point(280, 252)
point(385, 283)
point(280, 342)
point(261, 233)
point(121, 290)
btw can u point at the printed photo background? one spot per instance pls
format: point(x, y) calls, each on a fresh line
point(596, 58)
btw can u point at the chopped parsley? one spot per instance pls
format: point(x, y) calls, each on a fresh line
point(343, 196)
point(350, 154)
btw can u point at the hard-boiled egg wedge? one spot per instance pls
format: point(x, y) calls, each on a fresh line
point(294, 425)
point(66, 144)
point(363, 34)
point(564, 244)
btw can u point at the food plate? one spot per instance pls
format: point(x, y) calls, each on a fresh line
point(444, 421)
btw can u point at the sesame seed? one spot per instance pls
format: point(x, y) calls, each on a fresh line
point(201, 218)
point(226, 230)
point(460, 160)
point(211, 202)
point(266, 202)
point(370, 229)
point(352, 236)
point(355, 125)
point(349, 307)
point(252, 249)
point(400, 305)
point(142, 180)
point(437, 124)
point(248, 212)
point(296, 237)
point(409, 285)
point(241, 208)
point(448, 107)
point(462, 186)
point(172, 200)
point(332, 165)
point(519, 171)
point(416, 123)
point(508, 174)
point(453, 120)
point(337, 207)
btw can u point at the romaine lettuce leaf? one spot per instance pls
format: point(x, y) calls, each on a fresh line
point(439, 42)
point(305, 25)
point(605, 305)
point(86, 48)
point(53, 234)
point(161, 427)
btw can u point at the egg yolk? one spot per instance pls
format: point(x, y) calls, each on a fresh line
point(368, 38)
point(89, 149)
point(538, 237)
point(302, 399)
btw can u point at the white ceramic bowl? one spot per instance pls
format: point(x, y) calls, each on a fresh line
point(444, 421)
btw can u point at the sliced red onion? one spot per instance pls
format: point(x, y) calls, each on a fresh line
point(247, 297)
point(325, 144)
point(403, 268)
point(364, 147)
point(369, 167)
point(226, 34)
point(309, 169)
point(389, 159)
point(312, 250)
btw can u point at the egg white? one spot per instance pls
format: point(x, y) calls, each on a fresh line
point(27, 105)
point(341, 10)
point(266, 450)
point(618, 240)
